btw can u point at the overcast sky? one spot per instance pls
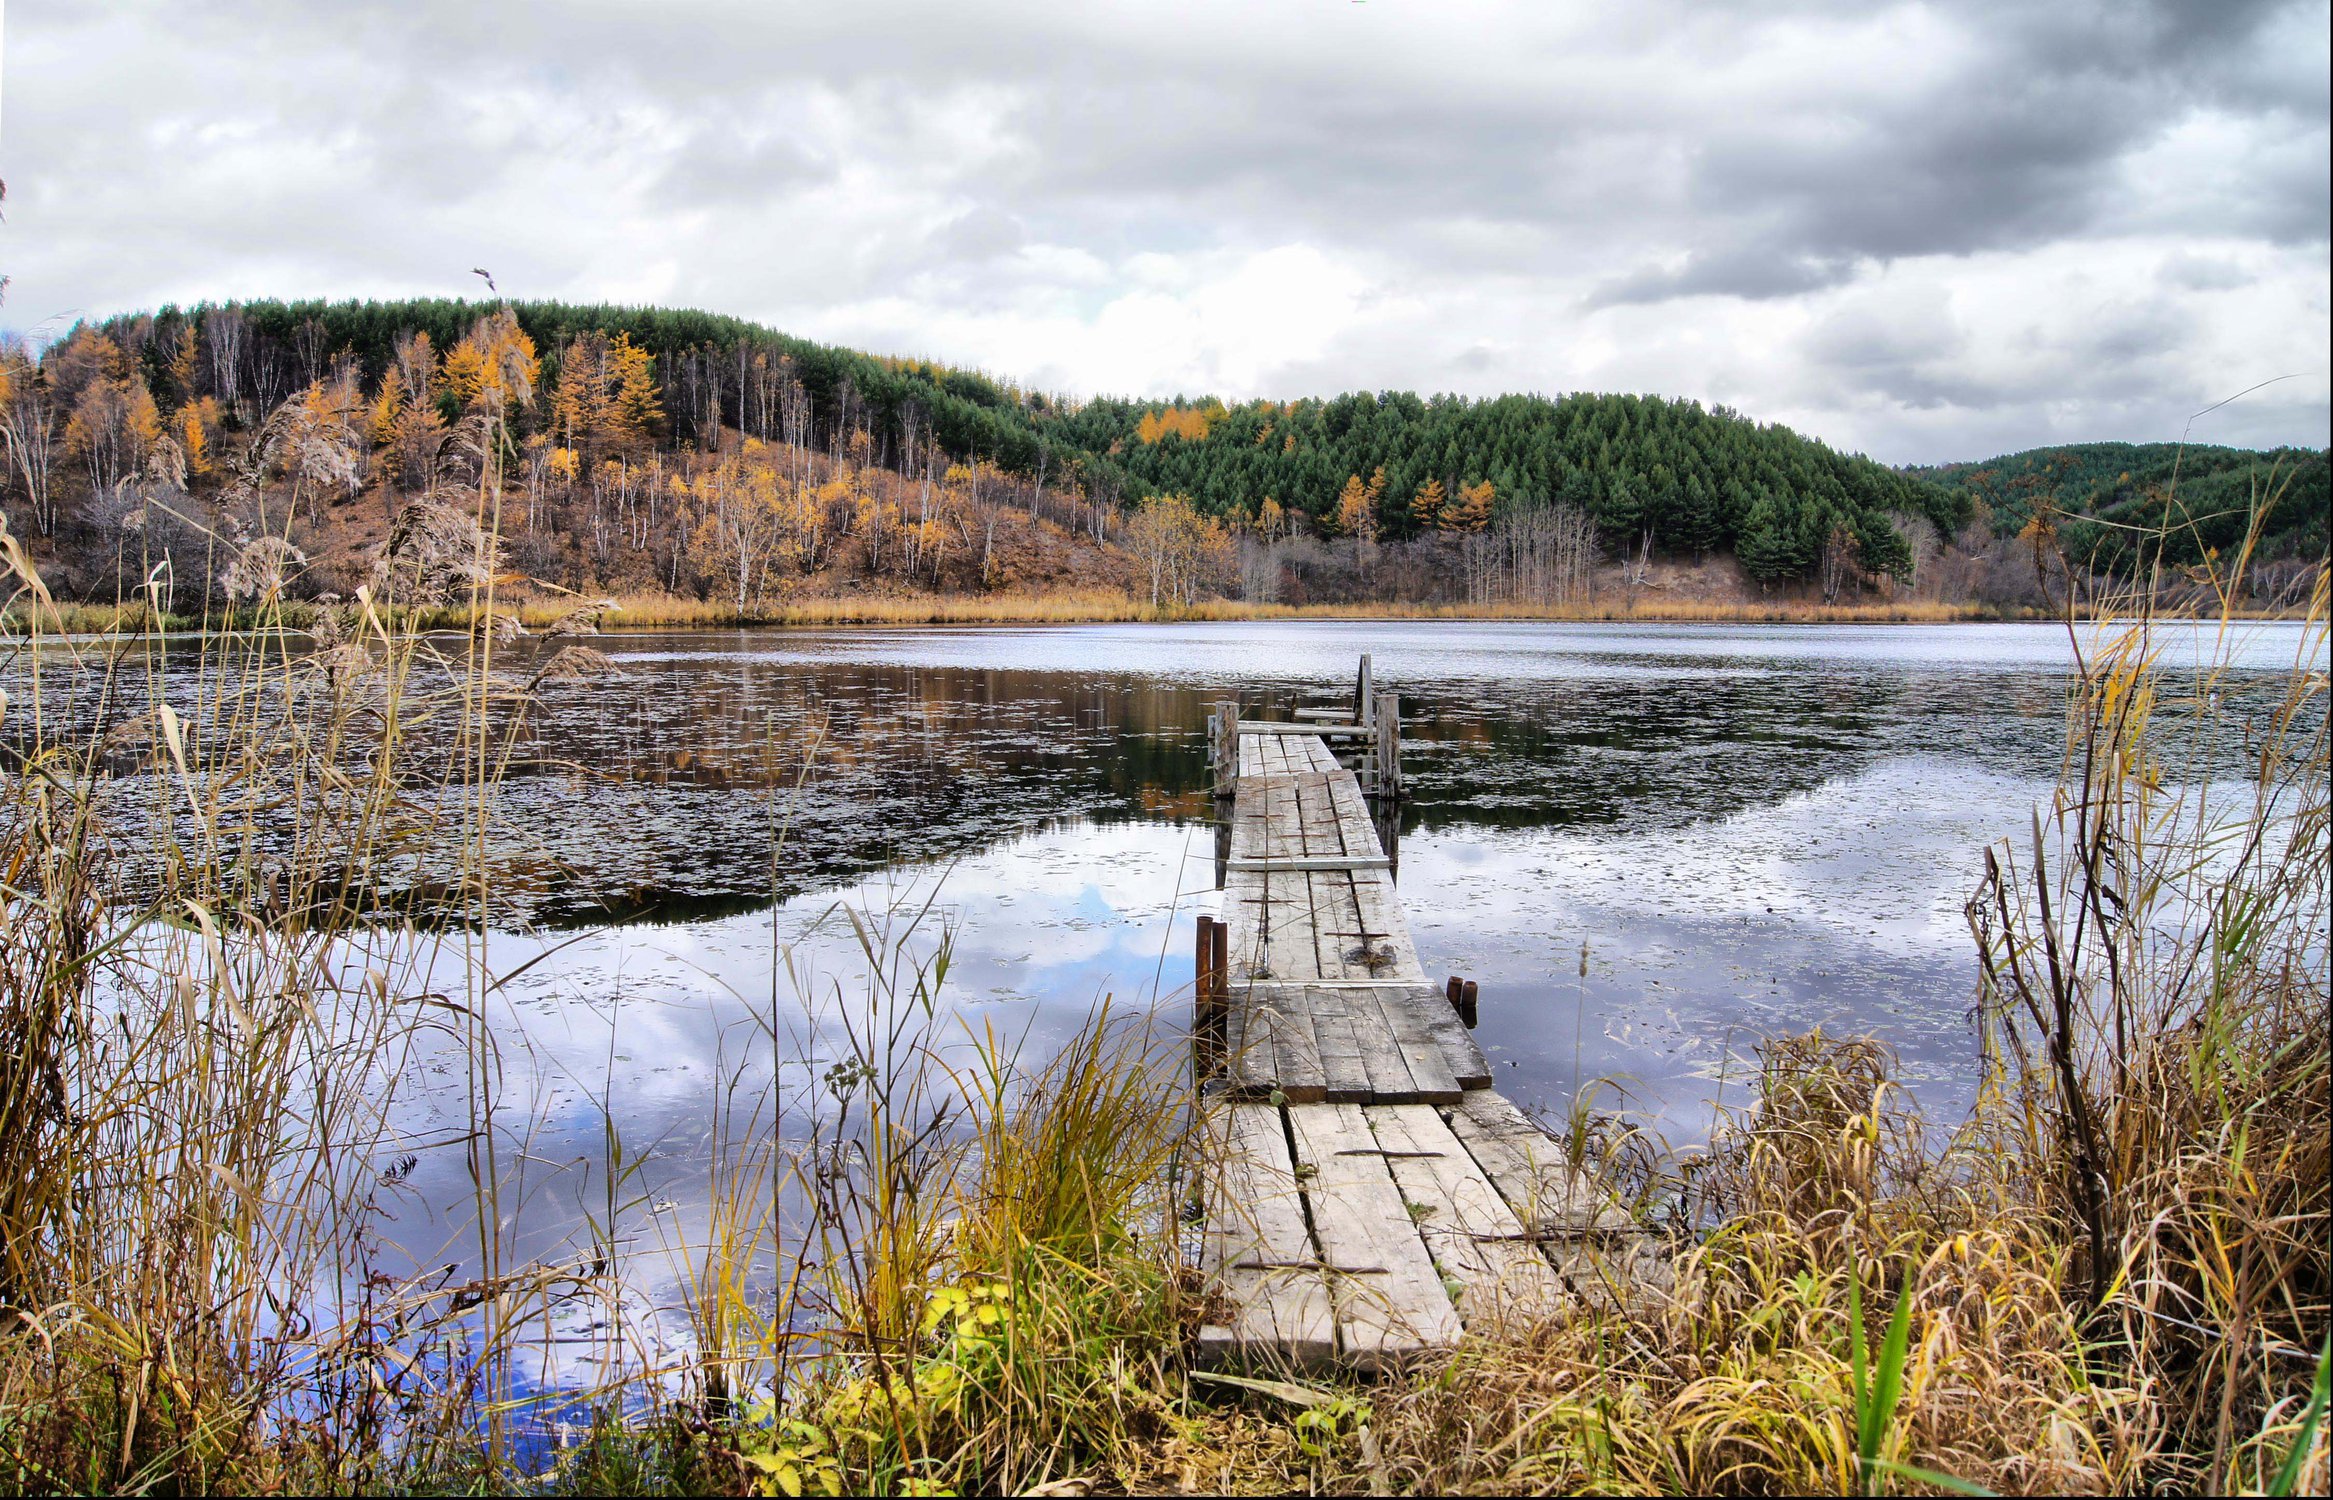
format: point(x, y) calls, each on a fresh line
point(1926, 232)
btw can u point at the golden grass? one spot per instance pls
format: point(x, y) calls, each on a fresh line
point(1098, 607)
point(666, 612)
point(1073, 607)
point(53, 617)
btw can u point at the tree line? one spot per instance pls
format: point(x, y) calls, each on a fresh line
point(2125, 508)
point(598, 406)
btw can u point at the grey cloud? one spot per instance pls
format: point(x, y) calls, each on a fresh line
point(794, 161)
point(736, 158)
point(2202, 273)
point(1748, 273)
point(983, 233)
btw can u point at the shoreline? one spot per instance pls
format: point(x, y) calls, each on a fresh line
point(660, 613)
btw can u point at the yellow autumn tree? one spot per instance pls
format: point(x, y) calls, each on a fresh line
point(605, 401)
point(1187, 554)
point(1426, 504)
point(1471, 510)
point(387, 403)
point(494, 369)
point(182, 366)
point(197, 420)
point(1190, 423)
point(1356, 512)
point(114, 425)
point(639, 408)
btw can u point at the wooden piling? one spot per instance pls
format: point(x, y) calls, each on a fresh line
point(1207, 999)
point(1385, 746)
point(1223, 748)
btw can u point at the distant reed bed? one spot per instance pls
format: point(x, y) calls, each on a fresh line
point(535, 611)
point(659, 612)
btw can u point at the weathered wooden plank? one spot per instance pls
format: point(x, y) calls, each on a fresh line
point(1344, 1071)
point(1291, 950)
point(1317, 756)
point(1388, 1066)
point(1475, 1238)
point(1596, 1249)
point(1373, 895)
point(1459, 1051)
point(1294, 1065)
point(1390, 1304)
point(1236, 1042)
point(1528, 1166)
point(1355, 831)
point(1435, 1082)
point(1258, 1251)
point(1278, 729)
point(1333, 921)
point(1289, 864)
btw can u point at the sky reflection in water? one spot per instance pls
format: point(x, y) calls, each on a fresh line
point(1752, 830)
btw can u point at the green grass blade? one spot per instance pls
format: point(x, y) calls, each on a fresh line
point(1855, 1353)
point(2288, 1476)
point(1950, 1483)
point(1875, 1398)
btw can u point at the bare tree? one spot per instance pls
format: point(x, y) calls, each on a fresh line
point(1531, 554)
point(28, 426)
point(224, 337)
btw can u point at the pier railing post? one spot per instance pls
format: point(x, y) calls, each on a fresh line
point(1386, 744)
point(1210, 995)
point(1223, 724)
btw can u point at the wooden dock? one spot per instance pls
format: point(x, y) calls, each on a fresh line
point(1369, 1194)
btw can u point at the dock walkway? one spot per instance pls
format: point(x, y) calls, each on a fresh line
point(1369, 1194)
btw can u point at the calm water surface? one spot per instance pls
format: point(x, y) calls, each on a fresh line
point(1748, 829)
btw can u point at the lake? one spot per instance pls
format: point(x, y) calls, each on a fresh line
point(1746, 830)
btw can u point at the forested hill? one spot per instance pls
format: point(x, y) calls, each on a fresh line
point(1654, 473)
point(1685, 478)
point(2110, 500)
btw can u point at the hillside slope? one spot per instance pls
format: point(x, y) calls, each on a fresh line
point(690, 453)
point(2121, 505)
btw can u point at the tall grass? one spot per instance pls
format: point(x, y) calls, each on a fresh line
point(2155, 974)
point(194, 1075)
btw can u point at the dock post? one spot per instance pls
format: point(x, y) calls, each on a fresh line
point(1387, 745)
point(1207, 996)
point(1223, 727)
